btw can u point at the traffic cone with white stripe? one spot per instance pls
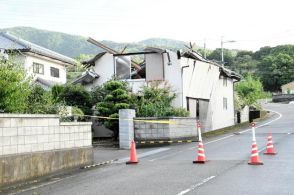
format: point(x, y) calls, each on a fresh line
point(254, 156)
point(133, 154)
point(254, 153)
point(201, 155)
point(270, 147)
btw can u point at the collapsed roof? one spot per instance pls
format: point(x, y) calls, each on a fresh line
point(149, 50)
point(86, 77)
point(223, 71)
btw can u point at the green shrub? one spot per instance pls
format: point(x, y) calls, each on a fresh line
point(41, 101)
point(14, 87)
point(97, 94)
point(56, 91)
point(156, 101)
point(75, 95)
point(77, 113)
point(249, 90)
point(116, 97)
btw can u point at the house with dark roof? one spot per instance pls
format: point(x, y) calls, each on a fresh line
point(46, 66)
point(203, 87)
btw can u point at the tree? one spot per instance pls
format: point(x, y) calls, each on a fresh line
point(244, 63)
point(14, 87)
point(76, 95)
point(228, 56)
point(156, 101)
point(276, 70)
point(97, 94)
point(41, 101)
point(249, 91)
point(116, 98)
point(56, 91)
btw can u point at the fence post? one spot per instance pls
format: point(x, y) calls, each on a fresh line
point(126, 127)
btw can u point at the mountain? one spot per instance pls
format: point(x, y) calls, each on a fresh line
point(74, 45)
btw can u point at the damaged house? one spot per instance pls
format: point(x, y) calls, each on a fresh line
point(203, 87)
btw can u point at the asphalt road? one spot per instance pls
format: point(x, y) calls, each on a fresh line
point(169, 170)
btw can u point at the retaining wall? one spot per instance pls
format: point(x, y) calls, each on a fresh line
point(283, 98)
point(35, 145)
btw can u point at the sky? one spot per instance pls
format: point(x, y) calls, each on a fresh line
point(250, 23)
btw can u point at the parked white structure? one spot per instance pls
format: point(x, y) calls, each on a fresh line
point(288, 88)
point(203, 87)
point(46, 66)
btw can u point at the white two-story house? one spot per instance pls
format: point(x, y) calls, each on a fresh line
point(47, 67)
point(203, 87)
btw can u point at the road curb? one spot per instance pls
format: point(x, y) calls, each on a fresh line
point(99, 164)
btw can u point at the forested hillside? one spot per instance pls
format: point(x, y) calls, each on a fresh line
point(74, 45)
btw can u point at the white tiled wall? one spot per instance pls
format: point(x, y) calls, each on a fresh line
point(34, 133)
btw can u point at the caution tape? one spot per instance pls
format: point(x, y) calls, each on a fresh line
point(164, 141)
point(137, 120)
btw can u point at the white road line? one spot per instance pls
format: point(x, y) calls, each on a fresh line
point(119, 161)
point(40, 186)
point(196, 185)
point(123, 160)
point(218, 139)
point(213, 141)
point(168, 155)
point(280, 116)
point(261, 149)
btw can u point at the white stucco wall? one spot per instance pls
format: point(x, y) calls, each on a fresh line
point(201, 81)
point(136, 84)
point(172, 74)
point(187, 66)
point(104, 67)
point(222, 117)
point(18, 59)
point(30, 59)
point(244, 114)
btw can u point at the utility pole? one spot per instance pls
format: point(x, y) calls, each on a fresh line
point(204, 47)
point(222, 48)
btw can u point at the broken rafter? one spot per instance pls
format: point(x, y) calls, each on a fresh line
point(111, 51)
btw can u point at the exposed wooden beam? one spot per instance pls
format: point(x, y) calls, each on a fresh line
point(111, 51)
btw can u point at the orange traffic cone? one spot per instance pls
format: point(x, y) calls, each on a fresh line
point(270, 147)
point(201, 155)
point(133, 154)
point(254, 155)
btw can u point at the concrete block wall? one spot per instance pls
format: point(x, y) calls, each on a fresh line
point(179, 127)
point(34, 133)
point(34, 138)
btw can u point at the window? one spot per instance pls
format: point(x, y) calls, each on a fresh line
point(225, 81)
point(225, 103)
point(123, 67)
point(38, 68)
point(54, 72)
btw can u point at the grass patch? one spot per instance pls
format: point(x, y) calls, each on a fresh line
point(225, 130)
